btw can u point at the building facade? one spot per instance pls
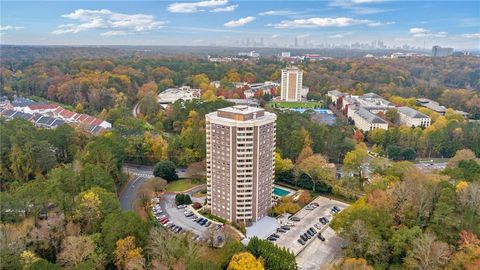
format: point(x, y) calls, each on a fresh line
point(292, 79)
point(240, 162)
point(365, 120)
point(438, 51)
point(413, 118)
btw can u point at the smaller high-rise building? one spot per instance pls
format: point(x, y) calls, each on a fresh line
point(438, 51)
point(292, 79)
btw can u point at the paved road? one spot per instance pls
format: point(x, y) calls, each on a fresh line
point(128, 194)
point(319, 253)
point(139, 174)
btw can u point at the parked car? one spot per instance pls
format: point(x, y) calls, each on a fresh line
point(303, 237)
point(320, 236)
point(291, 224)
point(310, 233)
point(318, 226)
point(301, 241)
point(275, 235)
point(295, 218)
point(208, 223)
point(337, 208)
point(270, 238)
point(280, 230)
point(182, 206)
point(316, 204)
point(313, 230)
point(285, 227)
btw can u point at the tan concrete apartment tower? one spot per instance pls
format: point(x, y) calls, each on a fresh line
point(292, 79)
point(240, 162)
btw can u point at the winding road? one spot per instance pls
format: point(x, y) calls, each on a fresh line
point(138, 175)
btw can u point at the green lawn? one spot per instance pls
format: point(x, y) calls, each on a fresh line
point(291, 104)
point(182, 185)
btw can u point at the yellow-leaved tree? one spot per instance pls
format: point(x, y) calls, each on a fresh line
point(245, 261)
point(127, 255)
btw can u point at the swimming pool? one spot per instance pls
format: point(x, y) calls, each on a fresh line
point(320, 111)
point(280, 192)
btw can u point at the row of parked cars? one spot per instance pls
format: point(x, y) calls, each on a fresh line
point(162, 218)
point(282, 229)
point(200, 220)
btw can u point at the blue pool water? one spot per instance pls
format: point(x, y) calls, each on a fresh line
point(280, 192)
point(321, 111)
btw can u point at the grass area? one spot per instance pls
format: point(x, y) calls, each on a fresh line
point(200, 194)
point(182, 185)
point(291, 104)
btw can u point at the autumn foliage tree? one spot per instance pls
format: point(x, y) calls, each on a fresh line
point(245, 261)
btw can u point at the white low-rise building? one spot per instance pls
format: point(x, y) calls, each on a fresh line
point(413, 118)
point(365, 120)
point(335, 95)
point(171, 95)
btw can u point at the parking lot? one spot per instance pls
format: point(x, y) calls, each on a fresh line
point(177, 216)
point(314, 253)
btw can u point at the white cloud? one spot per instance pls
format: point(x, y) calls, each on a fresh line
point(10, 27)
point(193, 7)
point(322, 22)
point(239, 22)
point(303, 36)
point(115, 33)
point(277, 13)
point(340, 35)
point(275, 35)
point(422, 32)
point(118, 23)
point(224, 9)
point(473, 36)
point(356, 6)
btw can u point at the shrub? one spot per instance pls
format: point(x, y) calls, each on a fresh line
point(166, 170)
point(196, 205)
point(181, 199)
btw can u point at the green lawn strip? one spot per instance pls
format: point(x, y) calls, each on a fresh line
point(288, 104)
point(182, 185)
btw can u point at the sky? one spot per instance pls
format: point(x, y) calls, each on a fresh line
point(229, 23)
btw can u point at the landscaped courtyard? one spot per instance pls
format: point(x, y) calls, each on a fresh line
point(183, 184)
point(291, 104)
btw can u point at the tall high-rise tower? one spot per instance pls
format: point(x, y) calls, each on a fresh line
point(240, 162)
point(292, 79)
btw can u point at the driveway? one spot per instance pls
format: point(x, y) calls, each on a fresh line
point(137, 177)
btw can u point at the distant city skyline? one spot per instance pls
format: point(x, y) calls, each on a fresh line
point(295, 24)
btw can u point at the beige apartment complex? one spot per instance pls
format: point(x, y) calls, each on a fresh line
point(240, 162)
point(292, 79)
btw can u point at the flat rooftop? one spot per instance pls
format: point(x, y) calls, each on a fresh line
point(241, 113)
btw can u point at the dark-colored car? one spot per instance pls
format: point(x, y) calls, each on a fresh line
point(301, 241)
point(285, 227)
point(272, 238)
point(313, 230)
point(275, 235)
point(307, 235)
point(303, 237)
point(320, 236)
point(295, 218)
point(310, 233)
point(337, 208)
point(281, 230)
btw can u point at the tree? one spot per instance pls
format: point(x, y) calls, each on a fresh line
point(427, 253)
point(166, 170)
point(92, 206)
point(394, 152)
point(464, 154)
point(352, 264)
point(392, 115)
point(127, 255)
point(182, 199)
point(282, 165)
point(274, 256)
point(317, 168)
point(245, 261)
point(354, 160)
point(119, 225)
point(75, 250)
point(408, 154)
